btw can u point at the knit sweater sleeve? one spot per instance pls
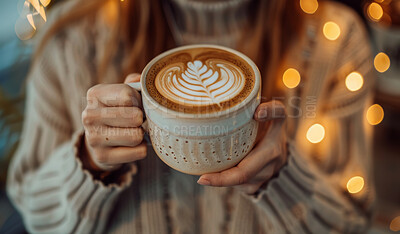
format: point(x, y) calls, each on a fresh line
point(301, 199)
point(46, 181)
point(310, 194)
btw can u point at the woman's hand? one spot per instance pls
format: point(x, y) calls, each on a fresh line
point(112, 120)
point(265, 159)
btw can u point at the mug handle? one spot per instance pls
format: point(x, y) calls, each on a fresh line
point(138, 87)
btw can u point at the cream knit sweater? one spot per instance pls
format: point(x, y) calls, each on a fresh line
point(54, 194)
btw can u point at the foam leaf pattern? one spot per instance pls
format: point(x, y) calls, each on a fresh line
point(198, 83)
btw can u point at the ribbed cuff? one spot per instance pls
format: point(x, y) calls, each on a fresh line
point(294, 166)
point(61, 195)
point(301, 197)
point(119, 178)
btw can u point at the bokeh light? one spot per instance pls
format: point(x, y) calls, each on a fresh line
point(291, 78)
point(354, 81)
point(331, 30)
point(375, 114)
point(355, 184)
point(381, 62)
point(375, 11)
point(309, 6)
point(395, 224)
point(30, 20)
point(23, 29)
point(316, 133)
point(45, 3)
point(32, 17)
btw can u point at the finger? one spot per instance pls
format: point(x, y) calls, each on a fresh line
point(119, 155)
point(112, 136)
point(269, 111)
point(133, 77)
point(114, 95)
point(265, 173)
point(122, 116)
point(230, 177)
point(114, 116)
point(274, 112)
point(273, 135)
point(251, 165)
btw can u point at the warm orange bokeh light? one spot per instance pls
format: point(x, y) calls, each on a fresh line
point(375, 114)
point(354, 81)
point(316, 133)
point(309, 6)
point(375, 11)
point(355, 184)
point(29, 17)
point(291, 78)
point(331, 30)
point(39, 8)
point(382, 62)
point(395, 224)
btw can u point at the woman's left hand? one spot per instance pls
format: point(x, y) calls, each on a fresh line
point(263, 161)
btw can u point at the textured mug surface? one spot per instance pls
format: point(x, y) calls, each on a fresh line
point(183, 149)
point(199, 143)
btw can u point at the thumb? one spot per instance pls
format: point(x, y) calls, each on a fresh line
point(133, 77)
point(270, 111)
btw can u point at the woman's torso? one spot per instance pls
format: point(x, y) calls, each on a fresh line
point(162, 200)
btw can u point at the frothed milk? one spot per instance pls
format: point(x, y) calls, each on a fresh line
point(202, 80)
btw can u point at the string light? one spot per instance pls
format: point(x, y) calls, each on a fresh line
point(375, 11)
point(39, 7)
point(395, 224)
point(309, 6)
point(35, 4)
point(381, 62)
point(316, 133)
point(331, 30)
point(29, 17)
point(22, 29)
point(355, 184)
point(375, 114)
point(354, 81)
point(291, 78)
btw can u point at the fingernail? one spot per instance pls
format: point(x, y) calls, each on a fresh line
point(203, 181)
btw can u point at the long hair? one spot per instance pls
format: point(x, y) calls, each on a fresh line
point(142, 25)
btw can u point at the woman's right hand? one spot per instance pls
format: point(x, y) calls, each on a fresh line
point(112, 121)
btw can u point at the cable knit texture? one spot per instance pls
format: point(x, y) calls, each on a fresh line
point(55, 194)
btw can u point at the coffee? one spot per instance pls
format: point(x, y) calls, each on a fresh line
point(200, 80)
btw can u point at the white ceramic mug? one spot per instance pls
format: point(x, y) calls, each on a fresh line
point(203, 142)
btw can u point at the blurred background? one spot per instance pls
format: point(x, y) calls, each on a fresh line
point(382, 18)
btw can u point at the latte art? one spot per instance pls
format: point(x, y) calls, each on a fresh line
point(200, 80)
point(197, 83)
